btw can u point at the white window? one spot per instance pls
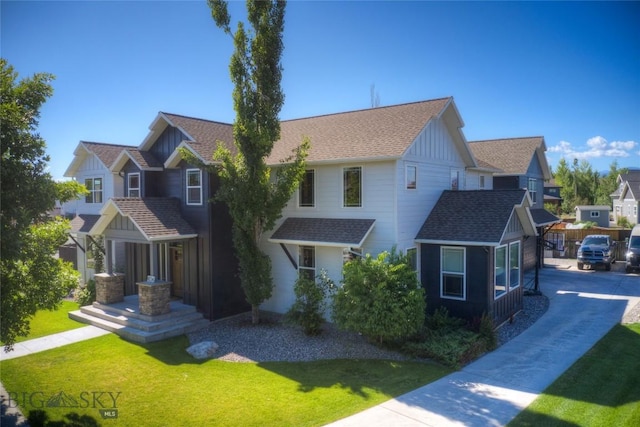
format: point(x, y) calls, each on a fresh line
point(595, 214)
point(412, 256)
point(194, 187)
point(307, 190)
point(133, 185)
point(533, 189)
point(307, 262)
point(455, 179)
point(514, 265)
point(94, 185)
point(411, 177)
point(352, 187)
point(500, 271)
point(452, 273)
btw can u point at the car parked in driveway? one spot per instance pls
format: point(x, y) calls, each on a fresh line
point(633, 251)
point(596, 250)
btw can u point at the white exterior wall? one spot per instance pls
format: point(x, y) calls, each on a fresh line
point(435, 156)
point(378, 195)
point(113, 186)
point(399, 212)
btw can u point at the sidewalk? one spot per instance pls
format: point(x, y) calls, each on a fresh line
point(584, 306)
point(52, 341)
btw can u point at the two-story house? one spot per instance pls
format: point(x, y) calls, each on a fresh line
point(521, 163)
point(626, 198)
point(91, 166)
point(373, 178)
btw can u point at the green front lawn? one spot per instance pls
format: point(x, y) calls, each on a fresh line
point(47, 322)
point(159, 384)
point(600, 389)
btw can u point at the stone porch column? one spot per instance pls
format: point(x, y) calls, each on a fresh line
point(109, 287)
point(154, 297)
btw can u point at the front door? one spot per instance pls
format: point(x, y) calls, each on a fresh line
point(177, 271)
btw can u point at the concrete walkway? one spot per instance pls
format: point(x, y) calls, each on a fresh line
point(52, 341)
point(584, 306)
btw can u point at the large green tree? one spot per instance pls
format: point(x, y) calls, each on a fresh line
point(254, 192)
point(31, 278)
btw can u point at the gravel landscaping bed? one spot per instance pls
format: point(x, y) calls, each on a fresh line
point(273, 340)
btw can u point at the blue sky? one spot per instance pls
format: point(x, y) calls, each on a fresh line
point(567, 71)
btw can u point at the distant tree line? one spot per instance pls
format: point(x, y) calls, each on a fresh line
point(581, 185)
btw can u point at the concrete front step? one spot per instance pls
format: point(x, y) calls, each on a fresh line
point(125, 320)
point(148, 325)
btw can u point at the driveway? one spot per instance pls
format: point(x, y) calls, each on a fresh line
point(584, 306)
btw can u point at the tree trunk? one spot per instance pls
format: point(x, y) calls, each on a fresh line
point(255, 314)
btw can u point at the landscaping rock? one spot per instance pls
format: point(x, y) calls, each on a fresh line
point(203, 350)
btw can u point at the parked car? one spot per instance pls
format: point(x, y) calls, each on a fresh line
point(596, 250)
point(633, 251)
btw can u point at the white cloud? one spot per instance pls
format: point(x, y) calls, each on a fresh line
point(596, 147)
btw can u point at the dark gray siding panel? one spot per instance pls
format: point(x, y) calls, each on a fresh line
point(506, 182)
point(153, 184)
point(166, 143)
point(477, 301)
point(529, 253)
point(172, 183)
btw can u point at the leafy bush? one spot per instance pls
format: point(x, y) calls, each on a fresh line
point(624, 222)
point(310, 304)
point(85, 294)
point(450, 341)
point(380, 298)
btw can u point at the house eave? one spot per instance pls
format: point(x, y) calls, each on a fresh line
point(456, 242)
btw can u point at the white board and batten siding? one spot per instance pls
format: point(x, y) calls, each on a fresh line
point(435, 157)
point(112, 186)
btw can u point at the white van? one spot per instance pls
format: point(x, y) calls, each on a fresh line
point(633, 250)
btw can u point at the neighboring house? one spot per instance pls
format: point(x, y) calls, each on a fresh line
point(168, 225)
point(373, 177)
point(521, 163)
point(597, 214)
point(552, 195)
point(471, 259)
point(91, 166)
point(626, 199)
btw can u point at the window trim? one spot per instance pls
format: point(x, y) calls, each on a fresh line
point(463, 274)
point(91, 197)
point(511, 245)
point(594, 214)
point(408, 184)
point(129, 188)
point(301, 266)
point(189, 187)
point(313, 190)
point(532, 186)
point(344, 189)
point(506, 270)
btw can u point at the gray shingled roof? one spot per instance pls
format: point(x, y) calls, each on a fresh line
point(82, 223)
point(478, 216)
point(323, 231)
point(632, 178)
point(543, 217)
point(511, 155)
point(155, 217)
point(384, 132)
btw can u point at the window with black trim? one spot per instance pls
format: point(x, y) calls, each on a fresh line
point(133, 185)
point(352, 187)
point(307, 190)
point(94, 185)
point(194, 187)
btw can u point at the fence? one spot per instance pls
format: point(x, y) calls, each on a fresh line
point(563, 241)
